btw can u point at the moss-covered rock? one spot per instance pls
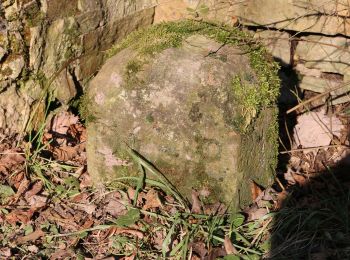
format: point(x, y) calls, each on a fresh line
point(195, 99)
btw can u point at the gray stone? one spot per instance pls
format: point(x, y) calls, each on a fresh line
point(303, 70)
point(14, 109)
point(212, 10)
point(12, 67)
point(328, 54)
point(180, 110)
point(321, 85)
point(300, 16)
point(278, 44)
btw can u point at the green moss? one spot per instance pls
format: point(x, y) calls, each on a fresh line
point(83, 107)
point(35, 18)
point(132, 68)
point(150, 118)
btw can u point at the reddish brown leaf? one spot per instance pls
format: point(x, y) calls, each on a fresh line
point(88, 223)
point(256, 213)
point(37, 201)
point(152, 200)
point(133, 232)
point(23, 187)
point(200, 249)
point(300, 179)
point(230, 249)
point(88, 208)
point(19, 216)
point(66, 153)
point(255, 190)
point(63, 121)
point(281, 197)
point(12, 157)
point(16, 179)
point(115, 206)
point(36, 188)
point(196, 204)
point(31, 237)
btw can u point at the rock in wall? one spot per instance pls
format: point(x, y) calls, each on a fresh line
point(54, 46)
point(315, 34)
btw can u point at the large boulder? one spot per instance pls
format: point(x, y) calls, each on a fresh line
point(194, 99)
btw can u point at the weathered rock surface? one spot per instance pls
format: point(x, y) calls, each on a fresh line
point(277, 43)
point(328, 54)
point(57, 41)
point(321, 85)
point(190, 105)
point(215, 10)
point(326, 17)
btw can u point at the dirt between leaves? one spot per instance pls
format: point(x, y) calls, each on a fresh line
point(49, 209)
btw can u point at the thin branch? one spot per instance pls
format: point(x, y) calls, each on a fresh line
point(306, 102)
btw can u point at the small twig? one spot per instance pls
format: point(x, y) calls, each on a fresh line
point(314, 148)
point(317, 97)
point(280, 184)
point(261, 231)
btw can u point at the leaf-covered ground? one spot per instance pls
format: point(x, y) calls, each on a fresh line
point(49, 209)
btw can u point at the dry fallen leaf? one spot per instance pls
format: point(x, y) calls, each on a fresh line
point(255, 213)
point(88, 208)
point(281, 198)
point(31, 237)
point(67, 153)
point(152, 200)
point(300, 179)
point(255, 190)
point(37, 201)
point(23, 187)
point(36, 188)
point(316, 129)
point(5, 252)
point(196, 204)
point(9, 159)
point(115, 206)
point(200, 249)
point(230, 249)
point(33, 249)
point(120, 230)
point(62, 121)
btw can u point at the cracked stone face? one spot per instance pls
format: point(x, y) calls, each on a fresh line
point(176, 110)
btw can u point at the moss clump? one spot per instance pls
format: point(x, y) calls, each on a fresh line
point(83, 103)
point(251, 97)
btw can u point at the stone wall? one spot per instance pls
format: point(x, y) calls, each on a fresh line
point(60, 42)
point(310, 36)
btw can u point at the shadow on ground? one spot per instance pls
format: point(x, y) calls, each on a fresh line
point(314, 220)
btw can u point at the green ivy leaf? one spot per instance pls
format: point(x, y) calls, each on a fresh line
point(83, 234)
point(129, 218)
point(237, 220)
point(28, 229)
point(231, 257)
point(6, 191)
